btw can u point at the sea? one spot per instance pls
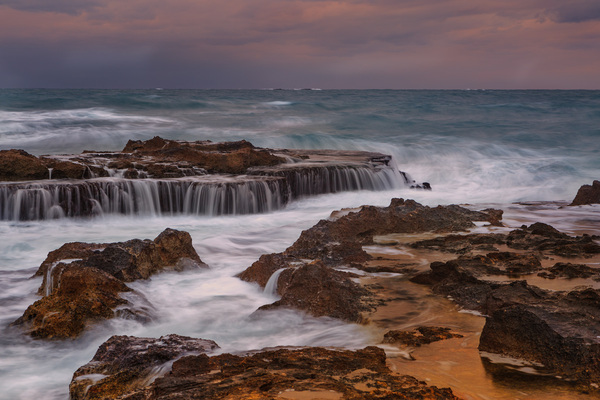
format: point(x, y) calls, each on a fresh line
point(525, 151)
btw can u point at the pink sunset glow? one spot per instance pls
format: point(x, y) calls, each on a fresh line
point(310, 43)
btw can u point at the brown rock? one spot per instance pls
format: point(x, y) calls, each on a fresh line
point(18, 165)
point(133, 259)
point(322, 291)
point(267, 264)
point(124, 364)
point(543, 237)
point(420, 336)
point(557, 329)
point(402, 216)
point(587, 194)
point(87, 289)
point(570, 271)
point(305, 372)
point(82, 296)
point(229, 157)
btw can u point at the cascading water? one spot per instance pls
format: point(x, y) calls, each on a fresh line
point(271, 286)
point(260, 192)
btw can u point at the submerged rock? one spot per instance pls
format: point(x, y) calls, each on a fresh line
point(125, 364)
point(420, 336)
point(84, 282)
point(311, 372)
point(587, 194)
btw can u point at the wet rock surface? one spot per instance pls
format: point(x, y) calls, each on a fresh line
point(84, 282)
point(419, 336)
point(543, 237)
point(228, 157)
point(322, 291)
point(18, 165)
point(310, 282)
point(587, 194)
point(570, 271)
point(267, 374)
point(125, 364)
point(536, 237)
point(558, 330)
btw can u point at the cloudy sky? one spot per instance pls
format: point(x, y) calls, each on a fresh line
point(300, 43)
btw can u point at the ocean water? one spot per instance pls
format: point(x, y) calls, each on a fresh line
point(485, 148)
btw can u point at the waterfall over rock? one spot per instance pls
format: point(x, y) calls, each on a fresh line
point(165, 177)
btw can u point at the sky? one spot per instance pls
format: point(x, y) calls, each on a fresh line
point(354, 44)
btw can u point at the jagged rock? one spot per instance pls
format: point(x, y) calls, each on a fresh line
point(543, 237)
point(231, 157)
point(560, 332)
point(587, 194)
point(82, 282)
point(462, 244)
point(557, 329)
point(124, 364)
point(401, 216)
point(130, 260)
point(84, 296)
point(18, 165)
point(261, 270)
point(338, 243)
point(420, 336)
point(72, 170)
point(322, 291)
point(570, 271)
point(306, 372)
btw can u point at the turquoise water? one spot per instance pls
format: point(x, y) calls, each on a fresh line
point(473, 146)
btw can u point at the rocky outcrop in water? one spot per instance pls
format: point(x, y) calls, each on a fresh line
point(18, 165)
point(161, 176)
point(228, 157)
point(321, 290)
point(122, 370)
point(125, 364)
point(84, 283)
point(536, 237)
point(419, 336)
point(556, 330)
point(587, 194)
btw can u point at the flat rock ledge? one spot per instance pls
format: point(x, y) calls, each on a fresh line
point(307, 275)
point(559, 332)
point(176, 367)
point(85, 282)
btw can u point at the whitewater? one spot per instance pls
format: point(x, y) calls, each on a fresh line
point(503, 149)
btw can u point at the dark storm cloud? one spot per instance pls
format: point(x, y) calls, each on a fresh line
point(300, 43)
point(575, 11)
point(70, 7)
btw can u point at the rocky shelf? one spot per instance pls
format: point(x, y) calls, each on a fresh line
point(161, 176)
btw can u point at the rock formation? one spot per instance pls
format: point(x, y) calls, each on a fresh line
point(309, 281)
point(587, 194)
point(124, 369)
point(125, 364)
point(558, 330)
point(83, 282)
